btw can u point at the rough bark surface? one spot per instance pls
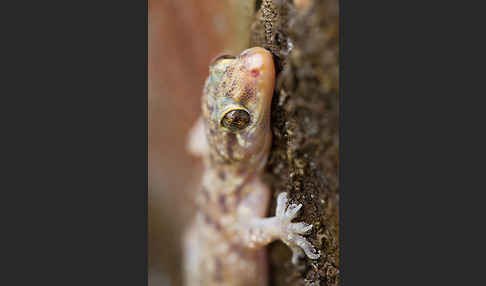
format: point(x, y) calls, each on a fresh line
point(305, 114)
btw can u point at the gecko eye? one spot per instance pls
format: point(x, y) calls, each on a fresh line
point(236, 119)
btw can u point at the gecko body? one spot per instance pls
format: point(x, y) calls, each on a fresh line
point(225, 243)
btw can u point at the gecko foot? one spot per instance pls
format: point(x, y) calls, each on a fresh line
point(290, 232)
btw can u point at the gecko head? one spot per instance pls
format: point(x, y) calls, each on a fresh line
point(237, 99)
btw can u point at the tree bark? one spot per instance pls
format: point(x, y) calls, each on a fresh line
point(303, 36)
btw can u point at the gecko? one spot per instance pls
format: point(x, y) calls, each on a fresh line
point(225, 244)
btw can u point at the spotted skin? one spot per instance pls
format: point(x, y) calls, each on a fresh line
point(225, 243)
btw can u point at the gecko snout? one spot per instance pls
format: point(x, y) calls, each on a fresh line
point(259, 62)
point(261, 69)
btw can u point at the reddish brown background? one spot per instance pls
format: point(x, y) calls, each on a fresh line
point(183, 37)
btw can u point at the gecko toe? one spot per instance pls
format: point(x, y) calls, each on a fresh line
point(308, 248)
point(300, 227)
point(292, 210)
point(282, 201)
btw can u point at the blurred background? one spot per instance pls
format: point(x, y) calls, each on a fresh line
point(183, 38)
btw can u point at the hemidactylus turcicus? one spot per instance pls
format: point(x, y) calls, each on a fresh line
point(225, 243)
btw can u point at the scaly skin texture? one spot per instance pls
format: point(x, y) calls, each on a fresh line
point(225, 243)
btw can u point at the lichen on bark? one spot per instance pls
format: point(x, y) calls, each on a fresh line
point(305, 125)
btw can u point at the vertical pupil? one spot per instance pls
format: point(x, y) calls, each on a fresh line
point(236, 119)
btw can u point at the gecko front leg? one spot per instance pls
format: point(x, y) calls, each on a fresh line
point(257, 231)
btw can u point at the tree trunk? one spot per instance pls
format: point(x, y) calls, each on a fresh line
point(303, 36)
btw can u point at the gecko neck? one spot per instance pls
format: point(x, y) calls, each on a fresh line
point(229, 178)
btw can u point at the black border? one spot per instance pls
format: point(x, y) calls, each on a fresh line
point(75, 160)
point(409, 141)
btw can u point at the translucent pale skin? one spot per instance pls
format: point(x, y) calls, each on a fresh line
point(225, 243)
